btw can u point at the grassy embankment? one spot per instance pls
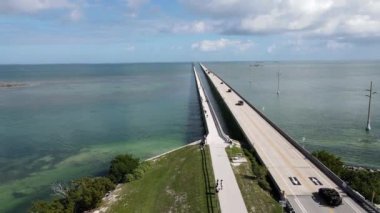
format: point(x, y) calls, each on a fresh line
point(255, 197)
point(181, 181)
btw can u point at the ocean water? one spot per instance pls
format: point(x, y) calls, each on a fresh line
point(72, 119)
point(322, 105)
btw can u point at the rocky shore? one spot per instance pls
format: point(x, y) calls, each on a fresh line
point(356, 168)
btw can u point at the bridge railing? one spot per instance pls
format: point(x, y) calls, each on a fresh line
point(358, 198)
point(219, 128)
point(200, 99)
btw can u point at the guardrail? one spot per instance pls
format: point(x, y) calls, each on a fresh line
point(368, 206)
point(200, 98)
point(221, 133)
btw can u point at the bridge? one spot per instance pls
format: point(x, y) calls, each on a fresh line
point(295, 172)
point(230, 198)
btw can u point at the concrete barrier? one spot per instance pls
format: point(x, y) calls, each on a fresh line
point(221, 133)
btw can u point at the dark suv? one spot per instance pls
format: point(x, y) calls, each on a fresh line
point(331, 196)
point(239, 103)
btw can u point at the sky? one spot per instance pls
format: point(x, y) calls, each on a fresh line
point(127, 31)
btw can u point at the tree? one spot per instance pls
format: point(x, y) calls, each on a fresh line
point(82, 195)
point(87, 193)
point(54, 206)
point(334, 163)
point(121, 166)
point(366, 182)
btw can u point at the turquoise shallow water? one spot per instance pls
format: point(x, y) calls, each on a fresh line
point(72, 119)
point(322, 105)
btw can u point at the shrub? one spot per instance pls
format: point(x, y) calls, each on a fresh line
point(121, 166)
point(54, 206)
point(84, 194)
point(87, 193)
point(365, 182)
point(145, 166)
point(334, 163)
point(264, 184)
point(138, 172)
point(129, 178)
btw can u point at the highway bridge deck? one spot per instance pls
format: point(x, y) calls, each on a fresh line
point(293, 173)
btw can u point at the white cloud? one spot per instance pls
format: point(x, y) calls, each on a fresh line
point(30, 7)
point(227, 8)
point(216, 45)
point(308, 18)
point(335, 45)
point(75, 15)
point(136, 4)
point(192, 27)
point(130, 48)
point(271, 48)
point(33, 6)
point(134, 7)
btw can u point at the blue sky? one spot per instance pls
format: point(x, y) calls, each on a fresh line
point(114, 31)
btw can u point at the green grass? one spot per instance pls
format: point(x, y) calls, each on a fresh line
point(256, 199)
point(180, 181)
point(234, 151)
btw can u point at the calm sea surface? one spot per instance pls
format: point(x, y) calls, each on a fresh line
point(72, 119)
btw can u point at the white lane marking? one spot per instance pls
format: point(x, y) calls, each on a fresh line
point(313, 168)
point(286, 182)
point(352, 206)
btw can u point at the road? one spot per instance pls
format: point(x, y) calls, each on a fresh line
point(230, 198)
point(291, 170)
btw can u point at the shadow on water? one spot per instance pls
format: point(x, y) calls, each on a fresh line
point(28, 199)
point(214, 101)
point(224, 115)
point(194, 127)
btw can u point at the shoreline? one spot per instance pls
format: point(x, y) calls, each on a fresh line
point(175, 149)
point(355, 168)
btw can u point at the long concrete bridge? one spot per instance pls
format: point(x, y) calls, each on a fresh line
point(230, 198)
point(296, 173)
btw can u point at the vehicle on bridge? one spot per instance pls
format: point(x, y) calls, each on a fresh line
point(331, 196)
point(239, 103)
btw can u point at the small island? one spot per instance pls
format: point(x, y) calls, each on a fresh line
point(12, 84)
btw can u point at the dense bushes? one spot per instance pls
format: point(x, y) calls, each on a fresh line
point(86, 193)
point(121, 166)
point(82, 194)
point(333, 162)
point(259, 171)
point(138, 172)
point(55, 206)
point(364, 181)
